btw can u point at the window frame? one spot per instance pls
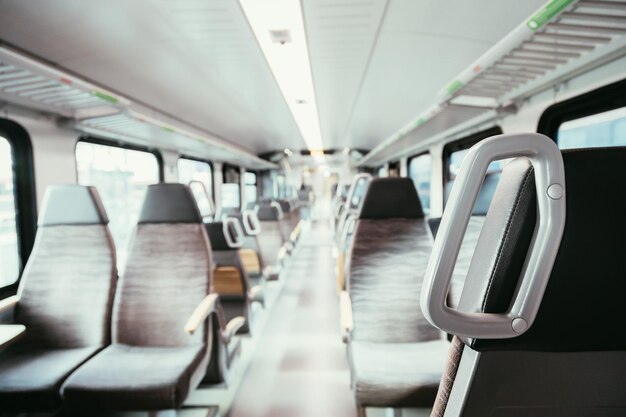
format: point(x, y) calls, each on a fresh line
point(122, 145)
point(191, 158)
point(408, 168)
point(461, 145)
point(24, 193)
point(600, 100)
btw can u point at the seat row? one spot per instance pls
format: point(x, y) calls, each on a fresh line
point(140, 341)
point(565, 358)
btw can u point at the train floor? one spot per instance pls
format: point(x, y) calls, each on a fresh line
point(295, 365)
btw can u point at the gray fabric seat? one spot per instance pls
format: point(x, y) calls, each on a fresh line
point(153, 362)
point(571, 360)
point(398, 373)
point(65, 300)
point(135, 378)
point(396, 356)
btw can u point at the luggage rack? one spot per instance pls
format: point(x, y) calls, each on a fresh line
point(91, 109)
point(561, 40)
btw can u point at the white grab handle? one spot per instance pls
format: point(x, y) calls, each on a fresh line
point(237, 242)
point(251, 222)
point(547, 161)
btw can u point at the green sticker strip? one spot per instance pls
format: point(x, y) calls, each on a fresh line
point(104, 96)
point(547, 12)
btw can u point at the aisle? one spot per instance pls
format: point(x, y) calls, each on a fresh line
point(300, 366)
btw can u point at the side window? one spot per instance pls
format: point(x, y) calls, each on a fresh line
point(231, 197)
point(201, 171)
point(250, 181)
point(455, 152)
point(420, 168)
point(597, 130)
point(10, 264)
point(121, 176)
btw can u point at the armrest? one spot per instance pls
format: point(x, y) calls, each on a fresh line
point(202, 311)
point(256, 294)
point(345, 312)
point(9, 302)
point(232, 327)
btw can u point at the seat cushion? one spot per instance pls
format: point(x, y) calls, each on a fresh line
point(123, 377)
point(30, 379)
point(397, 374)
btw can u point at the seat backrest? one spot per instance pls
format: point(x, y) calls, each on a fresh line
point(388, 258)
point(168, 272)
point(66, 290)
point(571, 360)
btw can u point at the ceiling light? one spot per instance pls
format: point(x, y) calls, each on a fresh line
point(273, 21)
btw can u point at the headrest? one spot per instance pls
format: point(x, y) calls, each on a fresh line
point(267, 212)
point(215, 231)
point(169, 203)
point(389, 198)
point(583, 301)
point(72, 205)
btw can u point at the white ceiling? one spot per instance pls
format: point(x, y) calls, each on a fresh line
point(376, 63)
point(194, 59)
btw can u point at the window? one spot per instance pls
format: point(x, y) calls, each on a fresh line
point(601, 129)
point(230, 191)
point(9, 244)
point(121, 176)
point(455, 152)
point(195, 170)
point(420, 168)
point(18, 210)
point(198, 171)
point(249, 180)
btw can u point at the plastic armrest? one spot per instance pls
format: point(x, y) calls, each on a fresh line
point(256, 294)
point(345, 311)
point(201, 312)
point(9, 302)
point(232, 327)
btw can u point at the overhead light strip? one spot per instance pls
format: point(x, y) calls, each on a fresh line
point(278, 26)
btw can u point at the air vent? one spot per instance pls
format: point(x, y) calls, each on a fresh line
point(282, 36)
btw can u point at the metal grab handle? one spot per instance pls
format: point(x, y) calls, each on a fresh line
point(278, 207)
point(204, 191)
point(355, 183)
point(238, 241)
point(547, 161)
point(251, 222)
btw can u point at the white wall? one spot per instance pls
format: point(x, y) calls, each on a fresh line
point(53, 150)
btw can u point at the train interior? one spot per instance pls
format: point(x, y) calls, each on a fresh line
point(297, 208)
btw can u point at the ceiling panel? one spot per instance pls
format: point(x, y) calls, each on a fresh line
point(422, 44)
point(341, 35)
point(196, 60)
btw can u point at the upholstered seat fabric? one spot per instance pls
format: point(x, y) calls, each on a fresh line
point(30, 378)
point(397, 374)
point(124, 377)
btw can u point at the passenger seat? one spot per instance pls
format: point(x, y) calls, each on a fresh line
point(64, 299)
point(396, 356)
point(160, 331)
point(571, 360)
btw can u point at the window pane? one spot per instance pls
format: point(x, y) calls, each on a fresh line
point(489, 183)
point(230, 196)
point(597, 130)
point(9, 251)
point(420, 171)
point(190, 170)
point(121, 176)
point(194, 172)
point(249, 179)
